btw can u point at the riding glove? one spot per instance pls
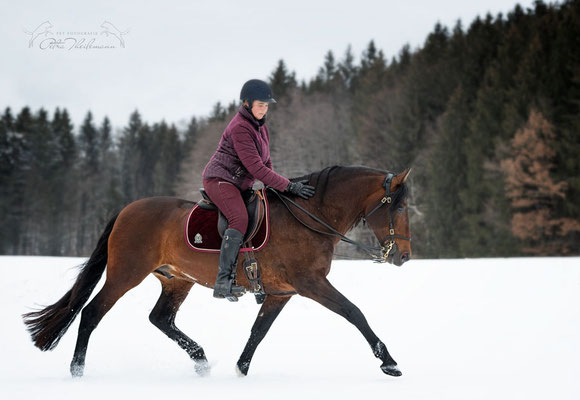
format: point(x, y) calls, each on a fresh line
point(301, 189)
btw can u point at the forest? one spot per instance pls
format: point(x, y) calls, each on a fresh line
point(486, 115)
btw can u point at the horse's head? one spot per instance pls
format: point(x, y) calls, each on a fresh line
point(388, 218)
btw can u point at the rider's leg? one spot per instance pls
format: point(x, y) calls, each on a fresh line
point(228, 199)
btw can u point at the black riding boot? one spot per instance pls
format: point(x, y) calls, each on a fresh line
point(230, 248)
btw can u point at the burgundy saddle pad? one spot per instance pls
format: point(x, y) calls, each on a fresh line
point(201, 229)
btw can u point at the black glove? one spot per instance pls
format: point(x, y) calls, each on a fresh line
point(301, 189)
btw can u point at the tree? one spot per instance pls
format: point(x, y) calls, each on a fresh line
point(347, 69)
point(533, 192)
point(110, 199)
point(446, 178)
point(281, 81)
point(218, 113)
point(8, 162)
point(167, 169)
point(128, 157)
point(89, 147)
point(89, 184)
point(65, 185)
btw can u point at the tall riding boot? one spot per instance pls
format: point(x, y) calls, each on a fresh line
point(230, 248)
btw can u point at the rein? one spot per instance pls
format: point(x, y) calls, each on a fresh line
point(384, 250)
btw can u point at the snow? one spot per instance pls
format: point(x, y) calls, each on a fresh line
point(459, 329)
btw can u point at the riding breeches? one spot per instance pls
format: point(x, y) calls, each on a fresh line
point(228, 198)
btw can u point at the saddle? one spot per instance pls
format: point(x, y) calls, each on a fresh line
point(206, 225)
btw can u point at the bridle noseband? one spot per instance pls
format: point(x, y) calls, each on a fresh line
point(385, 248)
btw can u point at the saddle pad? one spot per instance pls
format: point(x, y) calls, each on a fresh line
point(201, 233)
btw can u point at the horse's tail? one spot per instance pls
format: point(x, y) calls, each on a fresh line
point(47, 326)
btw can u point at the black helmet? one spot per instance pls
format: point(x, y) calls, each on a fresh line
point(255, 89)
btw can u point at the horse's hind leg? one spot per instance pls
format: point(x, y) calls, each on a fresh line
point(266, 316)
point(173, 293)
point(91, 316)
point(323, 292)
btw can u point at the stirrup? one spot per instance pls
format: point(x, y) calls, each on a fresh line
point(228, 291)
point(233, 297)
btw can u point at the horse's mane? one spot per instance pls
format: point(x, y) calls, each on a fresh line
point(320, 179)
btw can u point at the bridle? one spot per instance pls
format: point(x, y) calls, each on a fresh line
point(384, 249)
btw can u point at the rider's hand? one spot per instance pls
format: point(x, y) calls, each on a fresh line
point(301, 189)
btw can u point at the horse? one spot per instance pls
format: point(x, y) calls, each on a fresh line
point(148, 234)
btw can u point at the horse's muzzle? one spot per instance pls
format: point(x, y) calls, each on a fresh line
point(398, 258)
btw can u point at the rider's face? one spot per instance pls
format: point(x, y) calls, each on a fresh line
point(259, 109)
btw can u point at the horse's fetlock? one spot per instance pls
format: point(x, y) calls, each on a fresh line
point(380, 350)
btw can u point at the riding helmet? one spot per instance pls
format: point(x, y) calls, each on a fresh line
point(255, 89)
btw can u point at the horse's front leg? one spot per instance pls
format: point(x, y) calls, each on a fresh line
point(321, 291)
point(266, 316)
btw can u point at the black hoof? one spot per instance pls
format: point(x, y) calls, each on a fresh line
point(77, 370)
point(391, 369)
point(202, 368)
point(242, 368)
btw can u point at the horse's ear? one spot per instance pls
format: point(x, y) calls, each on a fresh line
point(401, 178)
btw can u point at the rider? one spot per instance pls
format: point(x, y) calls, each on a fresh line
point(242, 156)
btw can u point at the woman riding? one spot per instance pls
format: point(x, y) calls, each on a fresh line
point(242, 157)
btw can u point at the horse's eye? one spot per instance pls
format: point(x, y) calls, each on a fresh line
point(401, 209)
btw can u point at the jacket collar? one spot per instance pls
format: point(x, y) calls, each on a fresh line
point(250, 117)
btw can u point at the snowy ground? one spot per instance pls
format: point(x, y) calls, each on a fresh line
point(459, 329)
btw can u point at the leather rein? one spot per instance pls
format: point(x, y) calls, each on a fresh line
point(384, 249)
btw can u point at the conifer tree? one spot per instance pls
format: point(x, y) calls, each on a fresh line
point(65, 185)
point(282, 81)
point(129, 157)
point(534, 193)
point(347, 70)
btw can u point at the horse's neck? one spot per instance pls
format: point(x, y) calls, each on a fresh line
point(345, 201)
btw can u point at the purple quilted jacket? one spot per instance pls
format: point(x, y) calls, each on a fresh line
point(243, 154)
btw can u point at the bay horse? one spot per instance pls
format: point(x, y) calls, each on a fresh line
point(148, 234)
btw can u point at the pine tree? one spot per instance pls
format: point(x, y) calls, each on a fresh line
point(282, 81)
point(446, 178)
point(190, 135)
point(129, 157)
point(89, 147)
point(111, 198)
point(347, 69)
point(218, 113)
point(65, 186)
point(8, 163)
point(89, 167)
point(167, 169)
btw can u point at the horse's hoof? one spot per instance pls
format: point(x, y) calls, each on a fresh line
point(202, 368)
point(242, 369)
point(391, 369)
point(77, 370)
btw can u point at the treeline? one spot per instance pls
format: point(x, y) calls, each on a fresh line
point(487, 116)
point(59, 188)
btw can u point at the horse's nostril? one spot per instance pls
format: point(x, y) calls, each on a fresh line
point(405, 257)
